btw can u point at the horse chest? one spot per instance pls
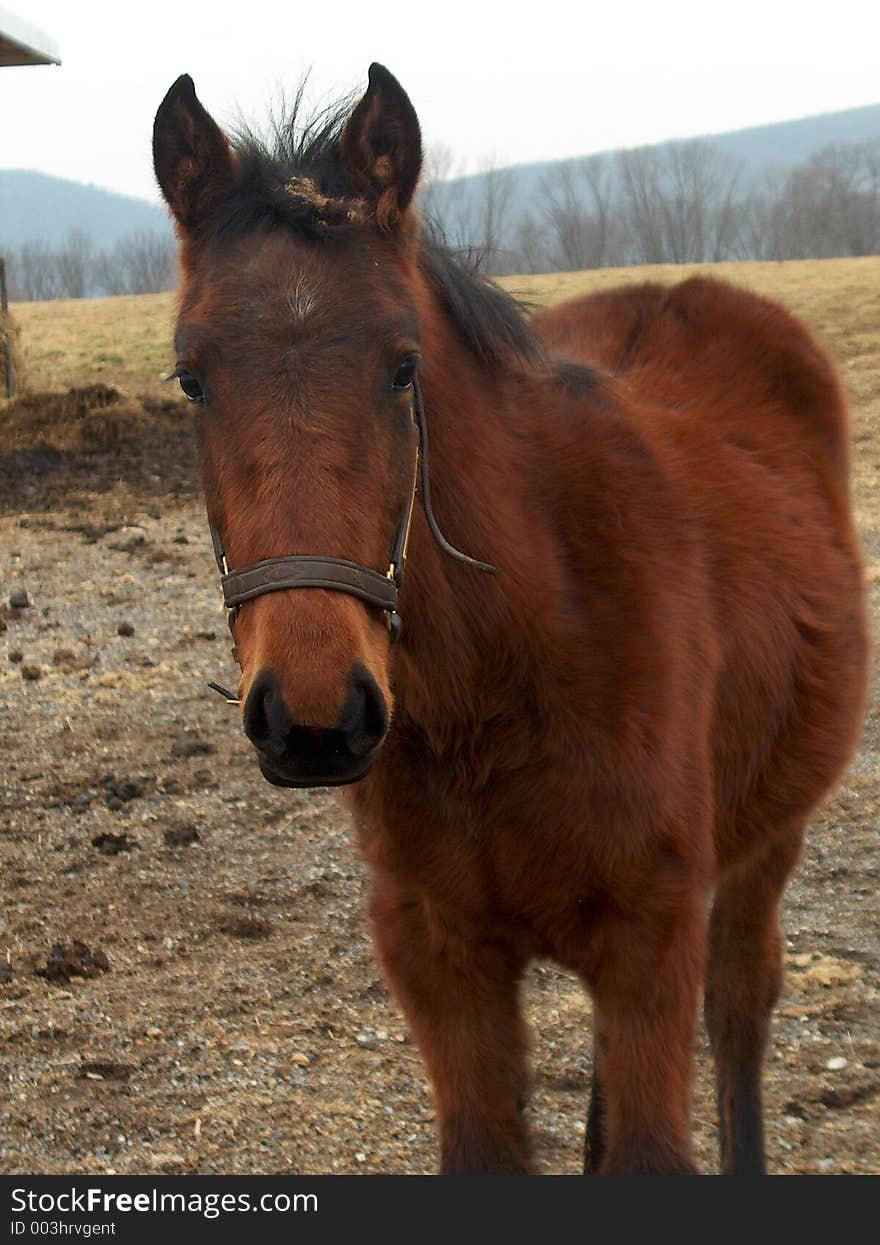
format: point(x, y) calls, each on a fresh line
point(517, 861)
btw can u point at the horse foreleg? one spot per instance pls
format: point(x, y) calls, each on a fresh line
point(594, 1139)
point(745, 970)
point(647, 985)
point(459, 994)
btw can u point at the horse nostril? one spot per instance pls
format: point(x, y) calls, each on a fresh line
point(364, 720)
point(293, 754)
point(267, 720)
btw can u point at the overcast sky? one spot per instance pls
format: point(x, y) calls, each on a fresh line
point(512, 82)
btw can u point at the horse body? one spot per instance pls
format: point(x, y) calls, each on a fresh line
point(641, 707)
point(631, 718)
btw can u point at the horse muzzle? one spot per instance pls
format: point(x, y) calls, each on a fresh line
point(292, 754)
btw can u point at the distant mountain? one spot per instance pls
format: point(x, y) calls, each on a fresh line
point(792, 142)
point(34, 206)
point(780, 144)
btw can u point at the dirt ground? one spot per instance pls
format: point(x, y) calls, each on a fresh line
point(186, 982)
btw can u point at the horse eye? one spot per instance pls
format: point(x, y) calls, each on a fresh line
point(190, 386)
point(405, 374)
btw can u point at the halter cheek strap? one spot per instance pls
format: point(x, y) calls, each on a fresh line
point(374, 588)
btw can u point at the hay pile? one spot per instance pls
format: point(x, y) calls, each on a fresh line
point(91, 439)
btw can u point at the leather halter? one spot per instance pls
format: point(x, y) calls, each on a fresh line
point(306, 570)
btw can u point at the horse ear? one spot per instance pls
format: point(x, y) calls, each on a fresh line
point(194, 165)
point(381, 146)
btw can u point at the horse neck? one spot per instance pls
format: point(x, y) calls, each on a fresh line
point(463, 629)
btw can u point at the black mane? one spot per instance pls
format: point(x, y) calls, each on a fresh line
point(304, 151)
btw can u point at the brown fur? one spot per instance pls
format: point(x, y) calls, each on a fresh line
point(642, 707)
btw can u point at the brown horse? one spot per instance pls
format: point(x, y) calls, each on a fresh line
point(637, 712)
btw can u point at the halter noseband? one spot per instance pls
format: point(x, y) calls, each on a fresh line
point(308, 570)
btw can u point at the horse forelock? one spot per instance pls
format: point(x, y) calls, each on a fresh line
point(330, 209)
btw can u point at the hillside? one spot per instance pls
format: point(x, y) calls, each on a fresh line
point(35, 206)
point(791, 142)
point(778, 145)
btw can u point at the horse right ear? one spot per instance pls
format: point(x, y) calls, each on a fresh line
point(194, 164)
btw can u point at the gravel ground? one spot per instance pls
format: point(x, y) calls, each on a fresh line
point(186, 983)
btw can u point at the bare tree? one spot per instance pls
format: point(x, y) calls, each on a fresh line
point(110, 274)
point(698, 201)
point(640, 178)
point(826, 207)
point(727, 199)
point(494, 192)
point(679, 202)
point(578, 212)
point(140, 263)
point(149, 258)
point(438, 170)
point(34, 275)
point(531, 252)
point(758, 231)
point(846, 188)
point(597, 174)
point(444, 197)
point(75, 261)
point(570, 224)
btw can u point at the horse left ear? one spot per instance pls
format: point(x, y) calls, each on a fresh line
point(381, 146)
point(191, 156)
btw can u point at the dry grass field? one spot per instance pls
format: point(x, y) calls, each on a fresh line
point(227, 1015)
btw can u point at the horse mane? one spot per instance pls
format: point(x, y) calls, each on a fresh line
point(291, 175)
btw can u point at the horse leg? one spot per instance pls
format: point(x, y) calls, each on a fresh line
point(647, 984)
point(744, 976)
point(594, 1140)
point(460, 997)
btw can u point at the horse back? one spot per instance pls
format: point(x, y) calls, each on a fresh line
point(726, 354)
point(742, 414)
